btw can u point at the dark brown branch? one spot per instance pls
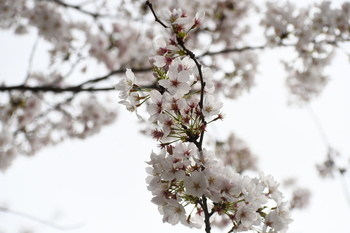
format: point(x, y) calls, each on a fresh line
point(199, 67)
point(232, 229)
point(154, 14)
point(181, 42)
point(232, 50)
point(113, 72)
point(75, 89)
point(78, 8)
point(206, 215)
point(199, 144)
point(246, 48)
point(203, 203)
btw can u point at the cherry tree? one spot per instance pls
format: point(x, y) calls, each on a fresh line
point(173, 63)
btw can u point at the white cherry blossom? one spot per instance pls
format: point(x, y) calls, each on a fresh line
point(177, 83)
point(197, 184)
point(126, 84)
point(211, 105)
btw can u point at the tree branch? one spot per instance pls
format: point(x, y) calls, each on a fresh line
point(39, 220)
point(232, 50)
point(113, 72)
point(78, 8)
point(206, 215)
point(31, 57)
point(75, 89)
point(154, 14)
point(199, 144)
point(199, 67)
point(246, 48)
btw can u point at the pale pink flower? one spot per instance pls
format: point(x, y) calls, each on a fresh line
point(177, 16)
point(198, 19)
point(185, 150)
point(173, 173)
point(174, 104)
point(174, 212)
point(155, 162)
point(272, 186)
point(159, 61)
point(186, 63)
point(196, 184)
point(157, 106)
point(279, 218)
point(230, 186)
point(211, 106)
point(167, 123)
point(246, 215)
point(177, 83)
point(132, 103)
point(126, 84)
point(208, 79)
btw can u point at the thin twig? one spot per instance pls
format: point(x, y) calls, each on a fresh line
point(318, 125)
point(247, 48)
point(113, 72)
point(232, 50)
point(31, 58)
point(78, 8)
point(40, 220)
point(324, 137)
point(75, 89)
point(231, 230)
point(345, 188)
point(154, 14)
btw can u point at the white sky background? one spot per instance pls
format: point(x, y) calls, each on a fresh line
point(98, 184)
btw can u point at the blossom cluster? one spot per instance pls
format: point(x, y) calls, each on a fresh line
point(101, 32)
point(51, 25)
point(176, 104)
point(178, 182)
point(113, 37)
point(235, 153)
point(334, 163)
point(314, 31)
point(188, 183)
point(226, 23)
point(35, 130)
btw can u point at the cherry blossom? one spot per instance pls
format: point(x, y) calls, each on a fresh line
point(197, 184)
point(126, 84)
point(103, 37)
point(183, 174)
point(211, 106)
point(180, 83)
point(198, 18)
point(177, 84)
point(174, 212)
